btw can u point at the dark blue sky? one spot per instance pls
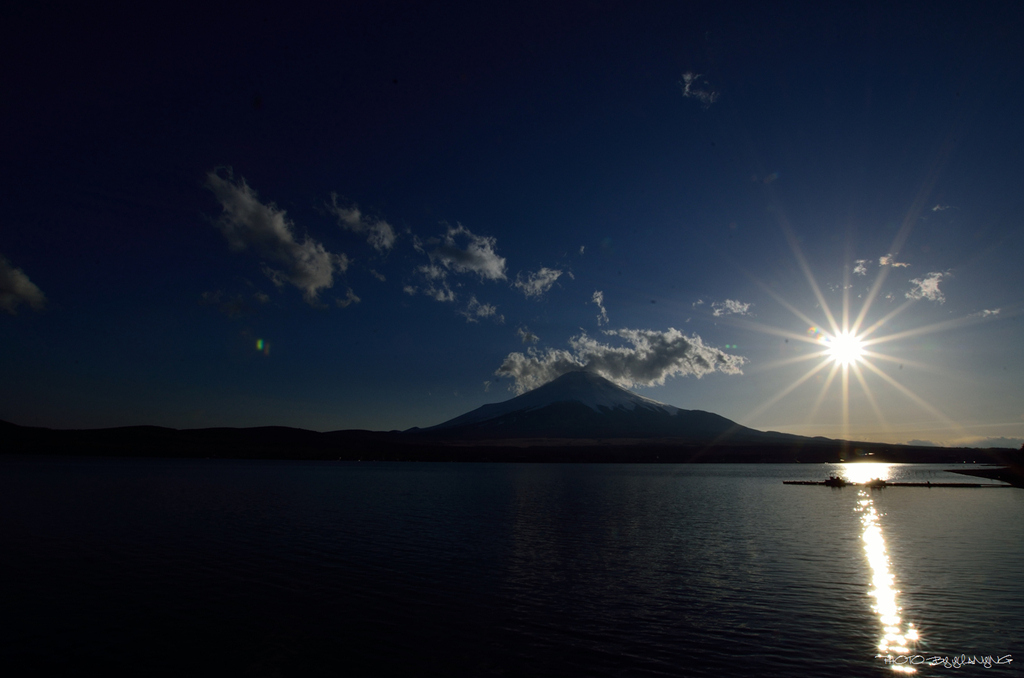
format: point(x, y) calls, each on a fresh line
point(382, 217)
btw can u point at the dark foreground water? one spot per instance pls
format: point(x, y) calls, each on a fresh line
point(236, 568)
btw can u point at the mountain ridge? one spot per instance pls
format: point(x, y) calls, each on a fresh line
point(286, 443)
point(583, 404)
point(578, 417)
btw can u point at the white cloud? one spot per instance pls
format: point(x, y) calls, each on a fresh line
point(730, 307)
point(248, 223)
point(888, 260)
point(526, 336)
point(378, 276)
point(942, 208)
point(437, 286)
point(650, 358)
point(350, 298)
point(439, 292)
point(861, 268)
point(581, 249)
point(417, 243)
point(16, 288)
point(379, 233)
point(536, 284)
point(410, 290)
point(692, 89)
point(431, 272)
point(478, 256)
point(598, 299)
point(474, 310)
point(536, 368)
point(987, 313)
point(927, 288)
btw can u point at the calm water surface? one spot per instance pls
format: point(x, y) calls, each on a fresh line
point(167, 567)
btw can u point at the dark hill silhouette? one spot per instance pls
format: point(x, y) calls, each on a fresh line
point(578, 417)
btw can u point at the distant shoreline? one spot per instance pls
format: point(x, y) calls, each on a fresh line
point(358, 445)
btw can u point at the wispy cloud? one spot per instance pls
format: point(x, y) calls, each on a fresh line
point(536, 284)
point(526, 336)
point(730, 307)
point(440, 293)
point(942, 208)
point(437, 292)
point(986, 313)
point(475, 310)
point(379, 233)
point(16, 289)
point(431, 272)
point(927, 288)
point(888, 260)
point(695, 87)
point(350, 298)
point(436, 286)
point(861, 268)
point(649, 359)
point(476, 256)
point(248, 223)
point(598, 299)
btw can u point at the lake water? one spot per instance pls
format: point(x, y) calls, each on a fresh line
point(203, 567)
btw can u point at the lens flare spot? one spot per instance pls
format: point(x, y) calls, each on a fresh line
point(262, 347)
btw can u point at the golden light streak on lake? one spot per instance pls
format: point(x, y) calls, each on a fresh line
point(896, 638)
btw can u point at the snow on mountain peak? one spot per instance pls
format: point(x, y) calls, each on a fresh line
point(590, 389)
point(587, 388)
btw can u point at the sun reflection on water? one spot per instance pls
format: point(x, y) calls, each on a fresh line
point(862, 472)
point(894, 639)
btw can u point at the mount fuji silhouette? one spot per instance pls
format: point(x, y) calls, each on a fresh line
point(585, 405)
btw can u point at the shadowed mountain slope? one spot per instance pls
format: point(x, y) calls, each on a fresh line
point(586, 405)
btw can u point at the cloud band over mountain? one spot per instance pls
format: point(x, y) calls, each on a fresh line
point(648, 360)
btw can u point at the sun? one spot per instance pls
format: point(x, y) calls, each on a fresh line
point(844, 348)
point(848, 349)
